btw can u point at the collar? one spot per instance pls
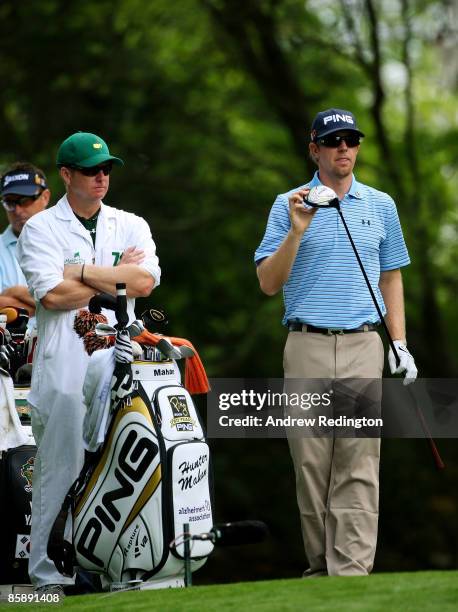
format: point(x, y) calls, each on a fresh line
point(355, 190)
point(8, 237)
point(64, 210)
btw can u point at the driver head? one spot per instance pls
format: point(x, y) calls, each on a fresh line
point(322, 197)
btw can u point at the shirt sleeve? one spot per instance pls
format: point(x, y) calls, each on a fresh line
point(393, 250)
point(40, 258)
point(142, 239)
point(278, 226)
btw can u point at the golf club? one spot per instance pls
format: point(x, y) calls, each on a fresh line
point(325, 197)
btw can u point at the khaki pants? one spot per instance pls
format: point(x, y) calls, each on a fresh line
point(337, 479)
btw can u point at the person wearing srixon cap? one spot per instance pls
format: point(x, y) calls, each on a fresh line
point(68, 253)
point(332, 324)
point(24, 192)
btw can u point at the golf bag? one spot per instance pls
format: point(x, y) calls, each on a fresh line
point(133, 496)
point(16, 471)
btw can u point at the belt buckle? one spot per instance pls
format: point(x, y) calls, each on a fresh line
point(335, 332)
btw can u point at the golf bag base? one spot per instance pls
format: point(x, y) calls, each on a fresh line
point(135, 585)
point(150, 477)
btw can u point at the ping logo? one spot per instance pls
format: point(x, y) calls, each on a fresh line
point(157, 315)
point(365, 221)
point(338, 119)
point(134, 459)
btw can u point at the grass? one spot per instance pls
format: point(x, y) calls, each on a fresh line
point(405, 592)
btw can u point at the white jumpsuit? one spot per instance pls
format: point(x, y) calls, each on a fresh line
point(50, 240)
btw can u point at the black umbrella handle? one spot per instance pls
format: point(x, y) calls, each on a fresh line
point(122, 317)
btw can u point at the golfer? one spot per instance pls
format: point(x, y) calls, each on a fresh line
point(68, 253)
point(332, 325)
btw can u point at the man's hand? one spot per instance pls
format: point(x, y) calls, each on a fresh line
point(406, 364)
point(300, 214)
point(132, 255)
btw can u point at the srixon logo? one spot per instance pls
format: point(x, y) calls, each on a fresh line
point(134, 458)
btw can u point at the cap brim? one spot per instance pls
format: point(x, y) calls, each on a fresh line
point(95, 160)
point(340, 129)
point(25, 190)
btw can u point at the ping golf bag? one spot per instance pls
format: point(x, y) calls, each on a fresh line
point(150, 476)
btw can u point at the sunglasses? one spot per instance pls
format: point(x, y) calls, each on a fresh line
point(333, 140)
point(10, 204)
point(94, 170)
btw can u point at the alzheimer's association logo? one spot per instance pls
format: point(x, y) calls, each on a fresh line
point(27, 473)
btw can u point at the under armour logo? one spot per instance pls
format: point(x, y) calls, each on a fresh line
point(366, 221)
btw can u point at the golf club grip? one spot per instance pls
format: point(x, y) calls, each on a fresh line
point(121, 306)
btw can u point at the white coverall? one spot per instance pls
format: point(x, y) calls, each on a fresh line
point(51, 239)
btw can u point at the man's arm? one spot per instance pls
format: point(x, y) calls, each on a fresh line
point(139, 281)
point(72, 293)
point(19, 297)
point(274, 271)
point(391, 287)
point(19, 293)
point(68, 295)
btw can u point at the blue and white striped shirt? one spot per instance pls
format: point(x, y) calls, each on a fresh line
point(326, 287)
point(10, 272)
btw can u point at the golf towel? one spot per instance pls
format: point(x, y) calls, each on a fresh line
point(11, 432)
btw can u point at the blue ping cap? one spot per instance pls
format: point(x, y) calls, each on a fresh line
point(333, 120)
point(20, 182)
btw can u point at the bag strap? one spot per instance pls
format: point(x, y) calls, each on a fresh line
point(59, 550)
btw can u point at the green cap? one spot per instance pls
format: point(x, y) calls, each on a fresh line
point(84, 150)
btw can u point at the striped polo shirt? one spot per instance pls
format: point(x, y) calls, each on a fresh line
point(326, 287)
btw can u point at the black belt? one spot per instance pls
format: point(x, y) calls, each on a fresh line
point(296, 326)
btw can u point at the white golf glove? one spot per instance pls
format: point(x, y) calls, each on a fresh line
point(406, 364)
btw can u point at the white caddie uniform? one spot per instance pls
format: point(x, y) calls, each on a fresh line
point(50, 240)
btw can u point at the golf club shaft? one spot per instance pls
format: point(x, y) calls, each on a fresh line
point(374, 299)
point(437, 458)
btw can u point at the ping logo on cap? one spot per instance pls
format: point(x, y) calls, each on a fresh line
point(338, 118)
point(97, 145)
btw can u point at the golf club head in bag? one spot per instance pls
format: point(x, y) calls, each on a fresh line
point(14, 339)
point(155, 320)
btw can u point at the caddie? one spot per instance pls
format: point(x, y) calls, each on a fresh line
point(332, 324)
point(68, 253)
